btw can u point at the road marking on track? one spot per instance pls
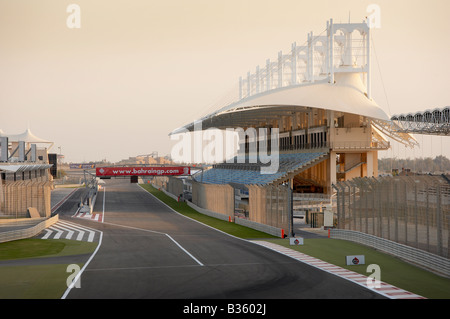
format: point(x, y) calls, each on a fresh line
point(49, 232)
point(58, 232)
point(80, 231)
point(190, 255)
point(85, 229)
point(77, 277)
point(98, 217)
point(160, 233)
point(61, 228)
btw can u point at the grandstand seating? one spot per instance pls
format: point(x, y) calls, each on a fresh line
point(250, 173)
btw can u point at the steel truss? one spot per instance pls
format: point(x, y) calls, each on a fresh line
point(432, 122)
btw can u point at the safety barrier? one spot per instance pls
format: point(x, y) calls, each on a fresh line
point(411, 210)
point(420, 257)
point(28, 231)
point(275, 231)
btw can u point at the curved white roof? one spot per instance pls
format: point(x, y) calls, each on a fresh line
point(347, 94)
point(27, 137)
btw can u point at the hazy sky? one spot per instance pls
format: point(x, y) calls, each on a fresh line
point(138, 69)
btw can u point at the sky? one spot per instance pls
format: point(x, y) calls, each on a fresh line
point(135, 70)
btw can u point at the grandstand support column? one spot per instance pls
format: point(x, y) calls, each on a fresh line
point(240, 88)
point(294, 64)
point(368, 72)
point(331, 172)
point(280, 69)
point(249, 86)
point(370, 166)
point(291, 208)
point(331, 48)
point(331, 127)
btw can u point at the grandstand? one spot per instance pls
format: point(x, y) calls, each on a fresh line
point(317, 98)
point(249, 173)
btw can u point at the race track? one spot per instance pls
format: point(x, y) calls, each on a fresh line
point(149, 251)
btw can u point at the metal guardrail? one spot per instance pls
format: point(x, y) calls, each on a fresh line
point(420, 257)
point(88, 200)
point(27, 232)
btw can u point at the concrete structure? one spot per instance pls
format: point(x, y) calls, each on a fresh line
point(25, 179)
point(25, 189)
point(24, 147)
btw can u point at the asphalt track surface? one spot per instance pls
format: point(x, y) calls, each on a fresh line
point(148, 251)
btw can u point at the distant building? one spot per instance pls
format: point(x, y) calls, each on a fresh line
point(26, 178)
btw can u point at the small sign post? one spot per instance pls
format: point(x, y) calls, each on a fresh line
point(296, 241)
point(355, 260)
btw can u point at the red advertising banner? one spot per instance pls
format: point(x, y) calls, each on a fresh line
point(149, 170)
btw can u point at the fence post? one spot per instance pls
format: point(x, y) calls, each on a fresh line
point(438, 219)
point(291, 209)
point(395, 195)
point(339, 209)
point(416, 213)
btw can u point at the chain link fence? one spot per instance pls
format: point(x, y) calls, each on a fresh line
point(411, 210)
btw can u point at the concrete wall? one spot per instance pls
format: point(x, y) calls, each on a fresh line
point(16, 197)
point(175, 186)
point(216, 198)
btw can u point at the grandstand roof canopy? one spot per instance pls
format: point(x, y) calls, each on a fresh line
point(347, 94)
point(27, 137)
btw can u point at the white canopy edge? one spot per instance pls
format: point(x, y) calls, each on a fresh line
point(347, 94)
point(27, 137)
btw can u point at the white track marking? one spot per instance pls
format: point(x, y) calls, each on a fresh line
point(80, 231)
point(58, 231)
point(181, 247)
point(91, 232)
point(77, 277)
point(69, 232)
point(49, 232)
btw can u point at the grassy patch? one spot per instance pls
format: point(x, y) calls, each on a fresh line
point(33, 247)
point(33, 282)
point(38, 281)
point(393, 270)
point(28, 248)
point(184, 209)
